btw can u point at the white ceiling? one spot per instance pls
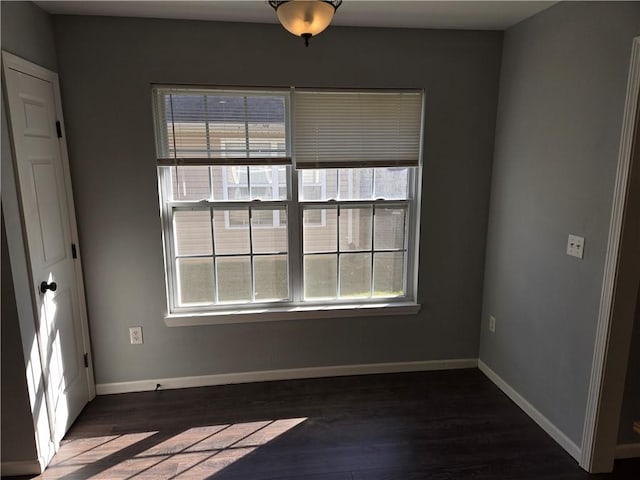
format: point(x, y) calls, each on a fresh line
point(484, 15)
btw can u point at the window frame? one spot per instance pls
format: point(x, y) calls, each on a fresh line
point(295, 306)
point(167, 208)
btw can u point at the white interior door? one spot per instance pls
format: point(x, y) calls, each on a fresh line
point(45, 198)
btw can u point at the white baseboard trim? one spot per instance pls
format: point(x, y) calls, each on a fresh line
point(628, 450)
point(285, 374)
point(544, 423)
point(24, 467)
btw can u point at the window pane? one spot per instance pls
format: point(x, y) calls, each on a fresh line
point(388, 274)
point(389, 228)
point(226, 122)
point(262, 193)
point(192, 232)
point(230, 183)
point(186, 125)
point(237, 194)
point(195, 280)
point(271, 277)
point(355, 183)
point(231, 231)
point(391, 183)
point(261, 175)
point(318, 185)
point(265, 182)
point(320, 276)
point(269, 230)
point(315, 217)
point(355, 275)
point(263, 218)
point(190, 183)
point(221, 124)
point(311, 192)
point(355, 228)
point(234, 279)
point(266, 126)
point(282, 171)
point(320, 237)
point(232, 148)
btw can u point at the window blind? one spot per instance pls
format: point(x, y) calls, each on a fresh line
point(336, 129)
point(220, 127)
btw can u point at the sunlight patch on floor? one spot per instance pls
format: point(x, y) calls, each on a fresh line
point(196, 453)
point(77, 454)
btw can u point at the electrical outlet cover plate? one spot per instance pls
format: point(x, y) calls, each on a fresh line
point(135, 335)
point(575, 246)
point(492, 323)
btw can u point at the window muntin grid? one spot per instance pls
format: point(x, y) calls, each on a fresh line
point(229, 265)
point(361, 254)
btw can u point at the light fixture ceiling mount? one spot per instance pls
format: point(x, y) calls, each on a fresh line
point(305, 18)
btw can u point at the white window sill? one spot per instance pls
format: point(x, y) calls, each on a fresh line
point(290, 313)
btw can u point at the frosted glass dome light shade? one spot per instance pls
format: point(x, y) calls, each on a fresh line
point(305, 18)
point(300, 16)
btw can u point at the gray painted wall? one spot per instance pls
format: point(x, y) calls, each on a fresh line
point(631, 403)
point(562, 91)
point(18, 439)
point(27, 31)
point(106, 68)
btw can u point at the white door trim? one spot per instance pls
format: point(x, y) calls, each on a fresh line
point(605, 392)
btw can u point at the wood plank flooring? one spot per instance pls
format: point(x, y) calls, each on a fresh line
point(427, 425)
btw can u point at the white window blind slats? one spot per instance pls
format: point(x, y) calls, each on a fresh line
point(217, 127)
point(333, 129)
point(357, 129)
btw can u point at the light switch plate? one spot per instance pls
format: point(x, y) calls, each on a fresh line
point(575, 246)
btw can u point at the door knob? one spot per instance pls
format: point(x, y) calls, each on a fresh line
point(44, 286)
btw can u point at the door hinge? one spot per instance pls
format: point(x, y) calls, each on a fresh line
point(74, 251)
point(59, 129)
point(86, 360)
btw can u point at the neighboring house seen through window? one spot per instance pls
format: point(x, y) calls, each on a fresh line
point(248, 224)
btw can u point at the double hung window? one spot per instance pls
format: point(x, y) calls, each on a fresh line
point(285, 199)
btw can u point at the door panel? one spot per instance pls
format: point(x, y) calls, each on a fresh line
point(36, 115)
point(48, 205)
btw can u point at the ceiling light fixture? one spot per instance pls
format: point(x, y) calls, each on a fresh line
point(305, 18)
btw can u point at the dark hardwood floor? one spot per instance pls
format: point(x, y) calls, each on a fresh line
point(432, 425)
